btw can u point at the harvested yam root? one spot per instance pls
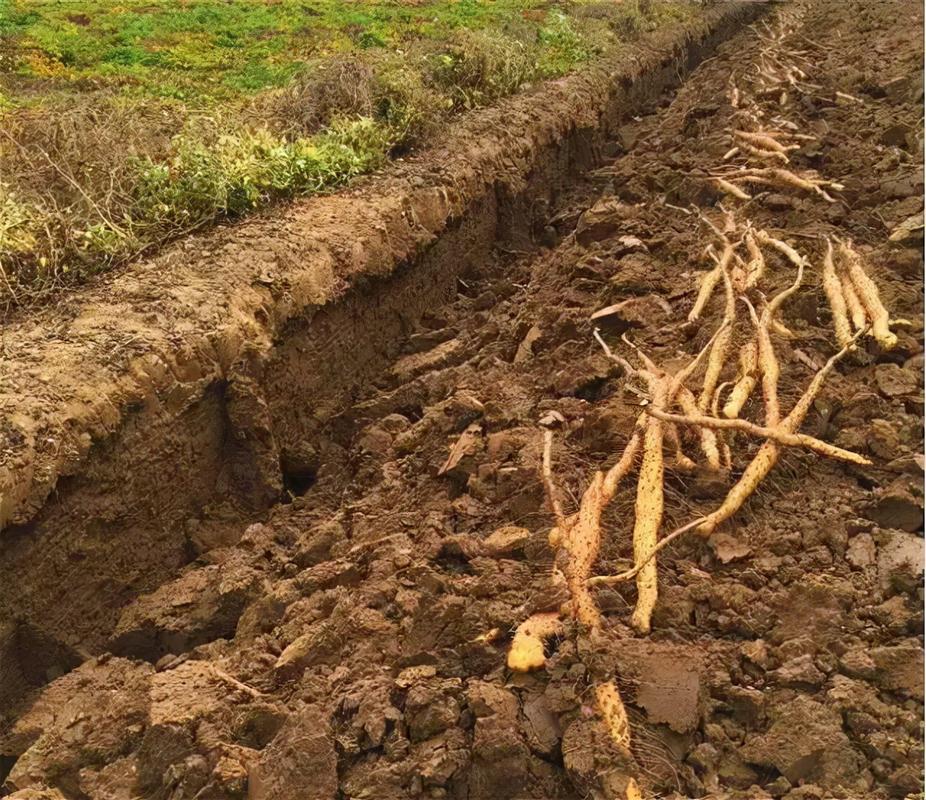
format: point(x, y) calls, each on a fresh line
point(767, 361)
point(682, 462)
point(837, 300)
point(767, 457)
point(706, 289)
point(853, 304)
point(749, 364)
point(755, 268)
point(613, 711)
point(765, 142)
point(721, 346)
point(578, 538)
point(709, 445)
point(648, 511)
point(779, 435)
point(783, 179)
point(756, 471)
point(868, 295)
point(852, 294)
point(731, 189)
point(663, 389)
point(526, 651)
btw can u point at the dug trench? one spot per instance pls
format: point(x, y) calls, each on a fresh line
point(352, 642)
point(144, 417)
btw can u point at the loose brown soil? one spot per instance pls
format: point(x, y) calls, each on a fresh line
point(341, 645)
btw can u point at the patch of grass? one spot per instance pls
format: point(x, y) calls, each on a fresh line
point(562, 47)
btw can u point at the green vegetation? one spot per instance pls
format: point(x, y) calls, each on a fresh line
point(123, 126)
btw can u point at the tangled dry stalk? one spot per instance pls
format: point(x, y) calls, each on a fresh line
point(744, 258)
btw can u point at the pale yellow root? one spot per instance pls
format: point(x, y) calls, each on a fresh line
point(765, 155)
point(580, 537)
point(546, 472)
point(782, 247)
point(783, 437)
point(749, 363)
point(718, 393)
point(708, 438)
point(682, 462)
point(757, 470)
point(768, 361)
point(767, 456)
point(853, 304)
point(769, 372)
point(833, 289)
point(755, 269)
point(731, 189)
point(581, 542)
point(718, 354)
point(648, 513)
point(613, 713)
point(526, 651)
point(763, 141)
point(783, 178)
point(705, 290)
point(868, 294)
point(624, 464)
point(780, 329)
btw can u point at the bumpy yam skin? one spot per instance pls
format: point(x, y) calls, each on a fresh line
point(853, 303)
point(721, 346)
point(709, 444)
point(613, 713)
point(870, 298)
point(708, 282)
point(753, 475)
point(832, 287)
point(742, 390)
point(648, 514)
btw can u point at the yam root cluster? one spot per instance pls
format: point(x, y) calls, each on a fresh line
point(707, 415)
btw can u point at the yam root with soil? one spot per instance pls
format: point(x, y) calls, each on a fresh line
point(613, 490)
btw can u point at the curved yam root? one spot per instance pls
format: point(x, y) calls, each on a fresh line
point(768, 361)
point(613, 713)
point(749, 363)
point(718, 353)
point(786, 250)
point(708, 282)
point(526, 651)
point(769, 371)
point(765, 142)
point(767, 456)
point(731, 188)
point(785, 179)
point(648, 512)
point(765, 155)
point(708, 438)
point(755, 269)
point(752, 476)
point(778, 435)
point(869, 296)
point(833, 290)
point(853, 304)
point(581, 543)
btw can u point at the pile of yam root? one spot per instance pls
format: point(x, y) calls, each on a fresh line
point(700, 404)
